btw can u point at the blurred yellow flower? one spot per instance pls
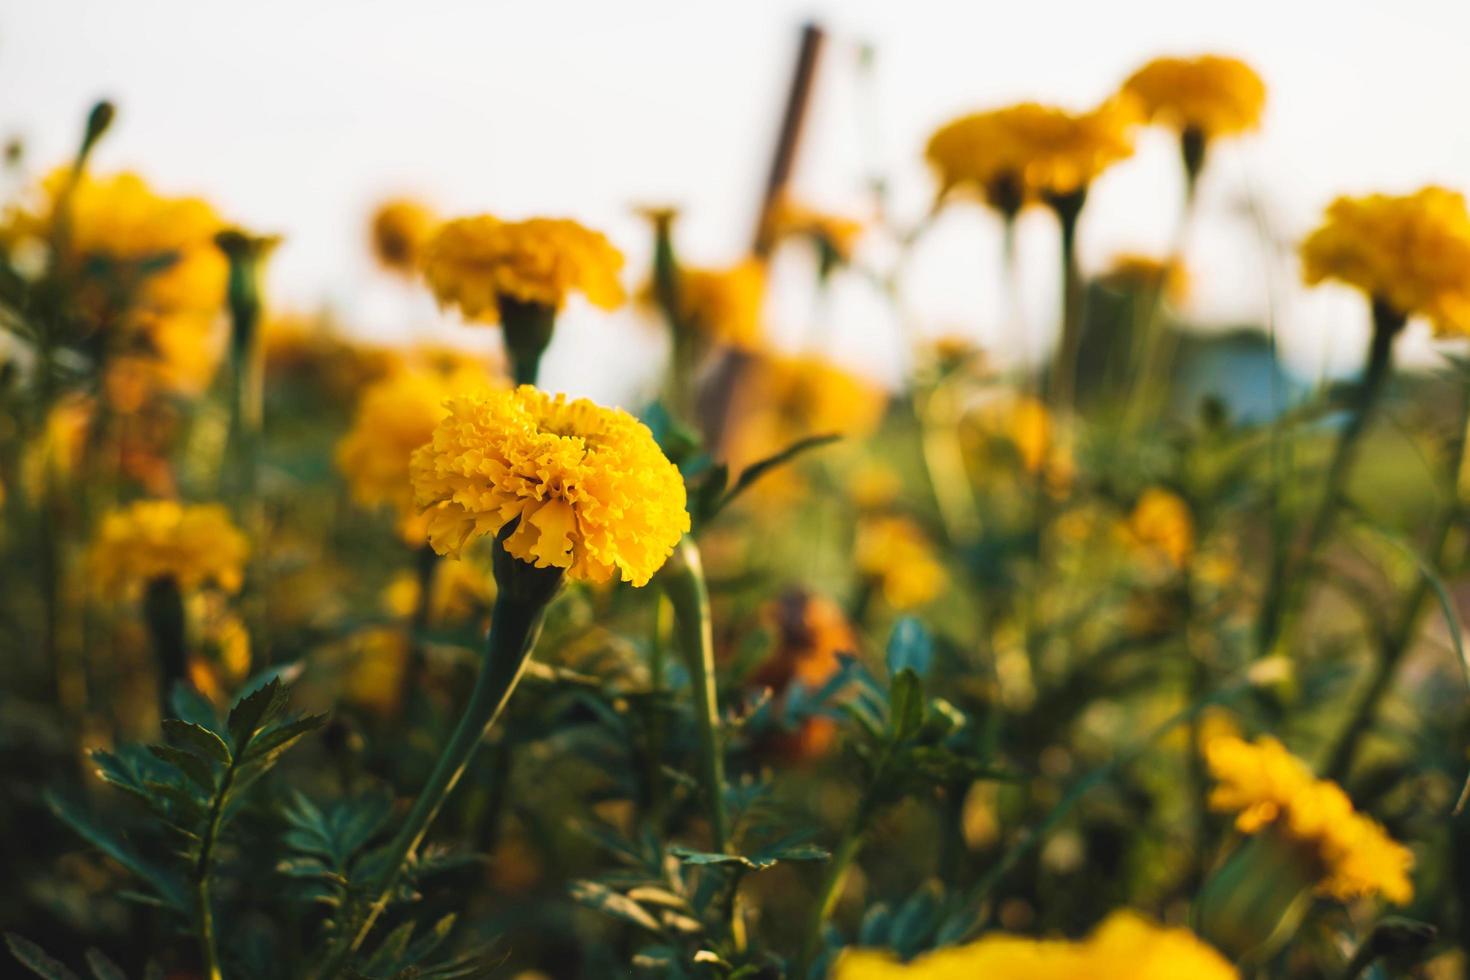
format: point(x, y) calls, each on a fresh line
point(144, 267)
point(1126, 946)
point(811, 634)
point(1162, 526)
point(722, 306)
point(897, 556)
point(476, 264)
point(835, 236)
point(400, 227)
point(394, 417)
point(1209, 96)
point(1028, 428)
point(875, 486)
point(1029, 152)
point(56, 452)
point(460, 590)
point(378, 661)
point(1132, 271)
point(1409, 252)
point(592, 491)
point(1272, 791)
point(310, 351)
point(194, 544)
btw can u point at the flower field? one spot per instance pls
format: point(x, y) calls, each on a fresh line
point(334, 656)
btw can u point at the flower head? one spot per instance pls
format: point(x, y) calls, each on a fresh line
point(193, 544)
point(722, 306)
point(897, 556)
point(1028, 152)
point(1125, 946)
point(1210, 95)
point(591, 490)
point(1272, 791)
point(478, 263)
point(1162, 526)
point(1409, 252)
point(1131, 271)
point(400, 228)
point(835, 236)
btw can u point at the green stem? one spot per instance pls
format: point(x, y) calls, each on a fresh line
point(1286, 586)
point(944, 461)
point(163, 609)
point(1068, 209)
point(833, 882)
point(204, 911)
point(527, 328)
point(683, 581)
point(514, 625)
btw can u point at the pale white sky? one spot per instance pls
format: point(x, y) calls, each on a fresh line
point(297, 116)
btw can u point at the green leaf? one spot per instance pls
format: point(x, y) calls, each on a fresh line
point(34, 958)
point(254, 711)
point(759, 469)
point(197, 739)
point(193, 707)
point(167, 886)
point(910, 648)
point(103, 968)
point(387, 956)
point(269, 744)
point(424, 946)
point(605, 900)
point(196, 769)
point(906, 705)
point(706, 497)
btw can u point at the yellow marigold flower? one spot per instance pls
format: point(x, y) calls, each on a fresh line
point(1409, 252)
point(394, 417)
point(1126, 946)
point(897, 556)
point(1144, 273)
point(144, 264)
point(476, 264)
point(460, 589)
point(193, 544)
point(1271, 790)
point(835, 236)
point(591, 489)
point(1209, 96)
point(1162, 525)
point(400, 227)
point(722, 306)
point(1022, 153)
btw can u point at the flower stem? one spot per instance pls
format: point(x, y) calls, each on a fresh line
point(1286, 586)
point(203, 866)
point(163, 609)
point(527, 328)
point(1068, 208)
point(683, 581)
point(833, 881)
point(514, 625)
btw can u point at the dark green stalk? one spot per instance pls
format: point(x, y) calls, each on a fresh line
point(1068, 209)
point(1290, 573)
point(527, 328)
point(246, 254)
point(163, 610)
point(203, 867)
point(835, 878)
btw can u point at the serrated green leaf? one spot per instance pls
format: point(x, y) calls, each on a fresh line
point(196, 769)
point(254, 711)
point(193, 707)
point(35, 959)
point(197, 739)
point(271, 742)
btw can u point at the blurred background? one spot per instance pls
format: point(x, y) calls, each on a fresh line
point(298, 118)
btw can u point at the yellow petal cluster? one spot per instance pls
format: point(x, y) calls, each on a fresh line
point(1025, 152)
point(592, 491)
point(395, 416)
point(1411, 252)
point(894, 553)
point(1161, 525)
point(1126, 946)
point(1210, 95)
point(1028, 428)
point(144, 265)
point(474, 263)
point(1145, 273)
point(1269, 789)
point(833, 233)
point(723, 306)
point(399, 229)
point(194, 544)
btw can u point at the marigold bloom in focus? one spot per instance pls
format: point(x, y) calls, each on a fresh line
point(1126, 946)
point(1028, 152)
point(722, 306)
point(592, 491)
point(475, 264)
point(143, 266)
point(1272, 791)
point(897, 556)
point(1162, 525)
point(1210, 95)
point(1409, 252)
point(400, 228)
point(194, 544)
point(394, 417)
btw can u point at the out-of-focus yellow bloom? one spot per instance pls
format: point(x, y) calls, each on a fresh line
point(897, 556)
point(1210, 95)
point(721, 306)
point(400, 227)
point(312, 354)
point(1131, 271)
point(592, 491)
point(474, 264)
point(811, 634)
point(394, 417)
point(1029, 152)
point(460, 590)
point(375, 671)
point(835, 236)
point(1126, 946)
point(56, 452)
point(144, 266)
point(1162, 526)
point(1028, 427)
point(1410, 252)
point(1272, 791)
point(875, 486)
point(193, 544)
point(779, 400)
